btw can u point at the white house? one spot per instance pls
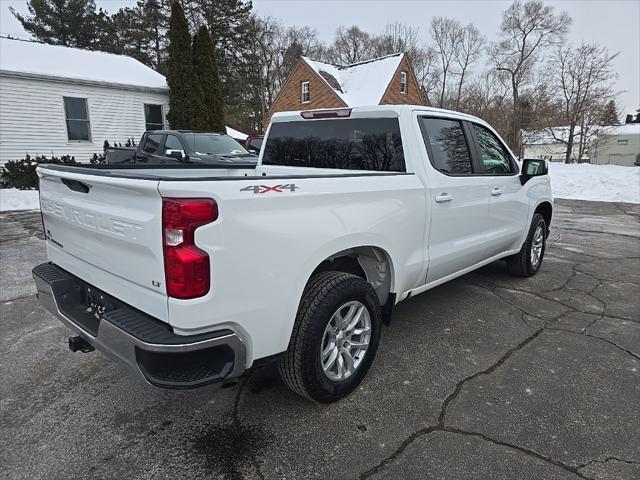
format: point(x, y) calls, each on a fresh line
point(606, 145)
point(66, 101)
point(58, 100)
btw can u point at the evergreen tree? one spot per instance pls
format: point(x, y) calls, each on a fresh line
point(186, 105)
point(155, 18)
point(230, 25)
point(71, 23)
point(206, 68)
point(610, 114)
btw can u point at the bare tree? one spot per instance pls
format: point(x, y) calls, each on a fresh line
point(583, 77)
point(526, 29)
point(467, 53)
point(351, 45)
point(396, 37)
point(446, 36)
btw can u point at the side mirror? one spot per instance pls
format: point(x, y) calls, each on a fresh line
point(177, 154)
point(533, 167)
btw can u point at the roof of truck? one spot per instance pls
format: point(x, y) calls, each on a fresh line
point(378, 111)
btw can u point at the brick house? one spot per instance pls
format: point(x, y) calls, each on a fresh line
point(313, 84)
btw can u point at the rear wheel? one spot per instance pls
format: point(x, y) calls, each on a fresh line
point(528, 260)
point(335, 337)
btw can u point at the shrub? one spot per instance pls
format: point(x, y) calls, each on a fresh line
point(21, 174)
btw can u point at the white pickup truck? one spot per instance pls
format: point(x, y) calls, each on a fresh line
point(194, 274)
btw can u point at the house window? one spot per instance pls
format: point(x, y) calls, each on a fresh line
point(77, 117)
point(403, 83)
point(153, 117)
point(623, 142)
point(304, 92)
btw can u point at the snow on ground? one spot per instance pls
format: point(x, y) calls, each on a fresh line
point(603, 183)
point(14, 199)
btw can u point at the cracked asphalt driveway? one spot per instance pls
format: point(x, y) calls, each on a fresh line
point(488, 376)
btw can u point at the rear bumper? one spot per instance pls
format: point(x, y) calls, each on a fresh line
point(145, 344)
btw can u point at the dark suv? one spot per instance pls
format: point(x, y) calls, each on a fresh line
point(171, 146)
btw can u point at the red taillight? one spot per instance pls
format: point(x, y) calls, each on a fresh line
point(186, 267)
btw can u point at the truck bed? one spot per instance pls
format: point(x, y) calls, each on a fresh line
point(185, 172)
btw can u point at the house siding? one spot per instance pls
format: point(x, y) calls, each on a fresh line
point(393, 96)
point(320, 94)
point(32, 117)
point(607, 151)
point(610, 152)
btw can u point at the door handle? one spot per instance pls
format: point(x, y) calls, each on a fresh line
point(444, 197)
point(496, 191)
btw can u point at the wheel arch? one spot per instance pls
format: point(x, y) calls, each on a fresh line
point(546, 210)
point(370, 262)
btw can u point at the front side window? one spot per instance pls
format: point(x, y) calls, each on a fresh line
point(403, 83)
point(152, 143)
point(493, 154)
point(77, 118)
point(304, 92)
point(347, 144)
point(446, 145)
point(153, 117)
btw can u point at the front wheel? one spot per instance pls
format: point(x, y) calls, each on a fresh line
point(528, 260)
point(335, 337)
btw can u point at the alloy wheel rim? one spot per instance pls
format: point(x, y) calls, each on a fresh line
point(536, 246)
point(345, 341)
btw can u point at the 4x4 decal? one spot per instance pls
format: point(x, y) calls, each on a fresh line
point(270, 188)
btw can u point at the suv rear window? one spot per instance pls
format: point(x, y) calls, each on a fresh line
point(346, 144)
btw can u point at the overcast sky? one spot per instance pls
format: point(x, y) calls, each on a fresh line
point(612, 23)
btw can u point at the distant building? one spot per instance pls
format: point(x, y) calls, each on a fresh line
point(313, 84)
point(605, 145)
point(58, 100)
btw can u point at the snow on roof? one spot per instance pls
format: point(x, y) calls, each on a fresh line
point(39, 59)
point(561, 134)
point(361, 83)
point(625, 129)
point(236, 134)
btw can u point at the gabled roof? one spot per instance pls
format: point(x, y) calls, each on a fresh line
point(359, 84)
point(76, 65)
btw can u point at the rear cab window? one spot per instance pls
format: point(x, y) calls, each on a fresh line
point(447, 145)
point(347, 144)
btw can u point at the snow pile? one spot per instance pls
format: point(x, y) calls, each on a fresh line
point(603, 183)
point(14, 199)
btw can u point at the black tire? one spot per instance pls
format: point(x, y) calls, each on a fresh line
point(520, 264)
point(300, 366)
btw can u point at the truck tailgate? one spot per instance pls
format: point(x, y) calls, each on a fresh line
point(108, 232)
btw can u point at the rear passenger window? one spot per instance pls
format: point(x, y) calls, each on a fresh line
point(152, 143)
point(494, 155)
point(446, 145)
